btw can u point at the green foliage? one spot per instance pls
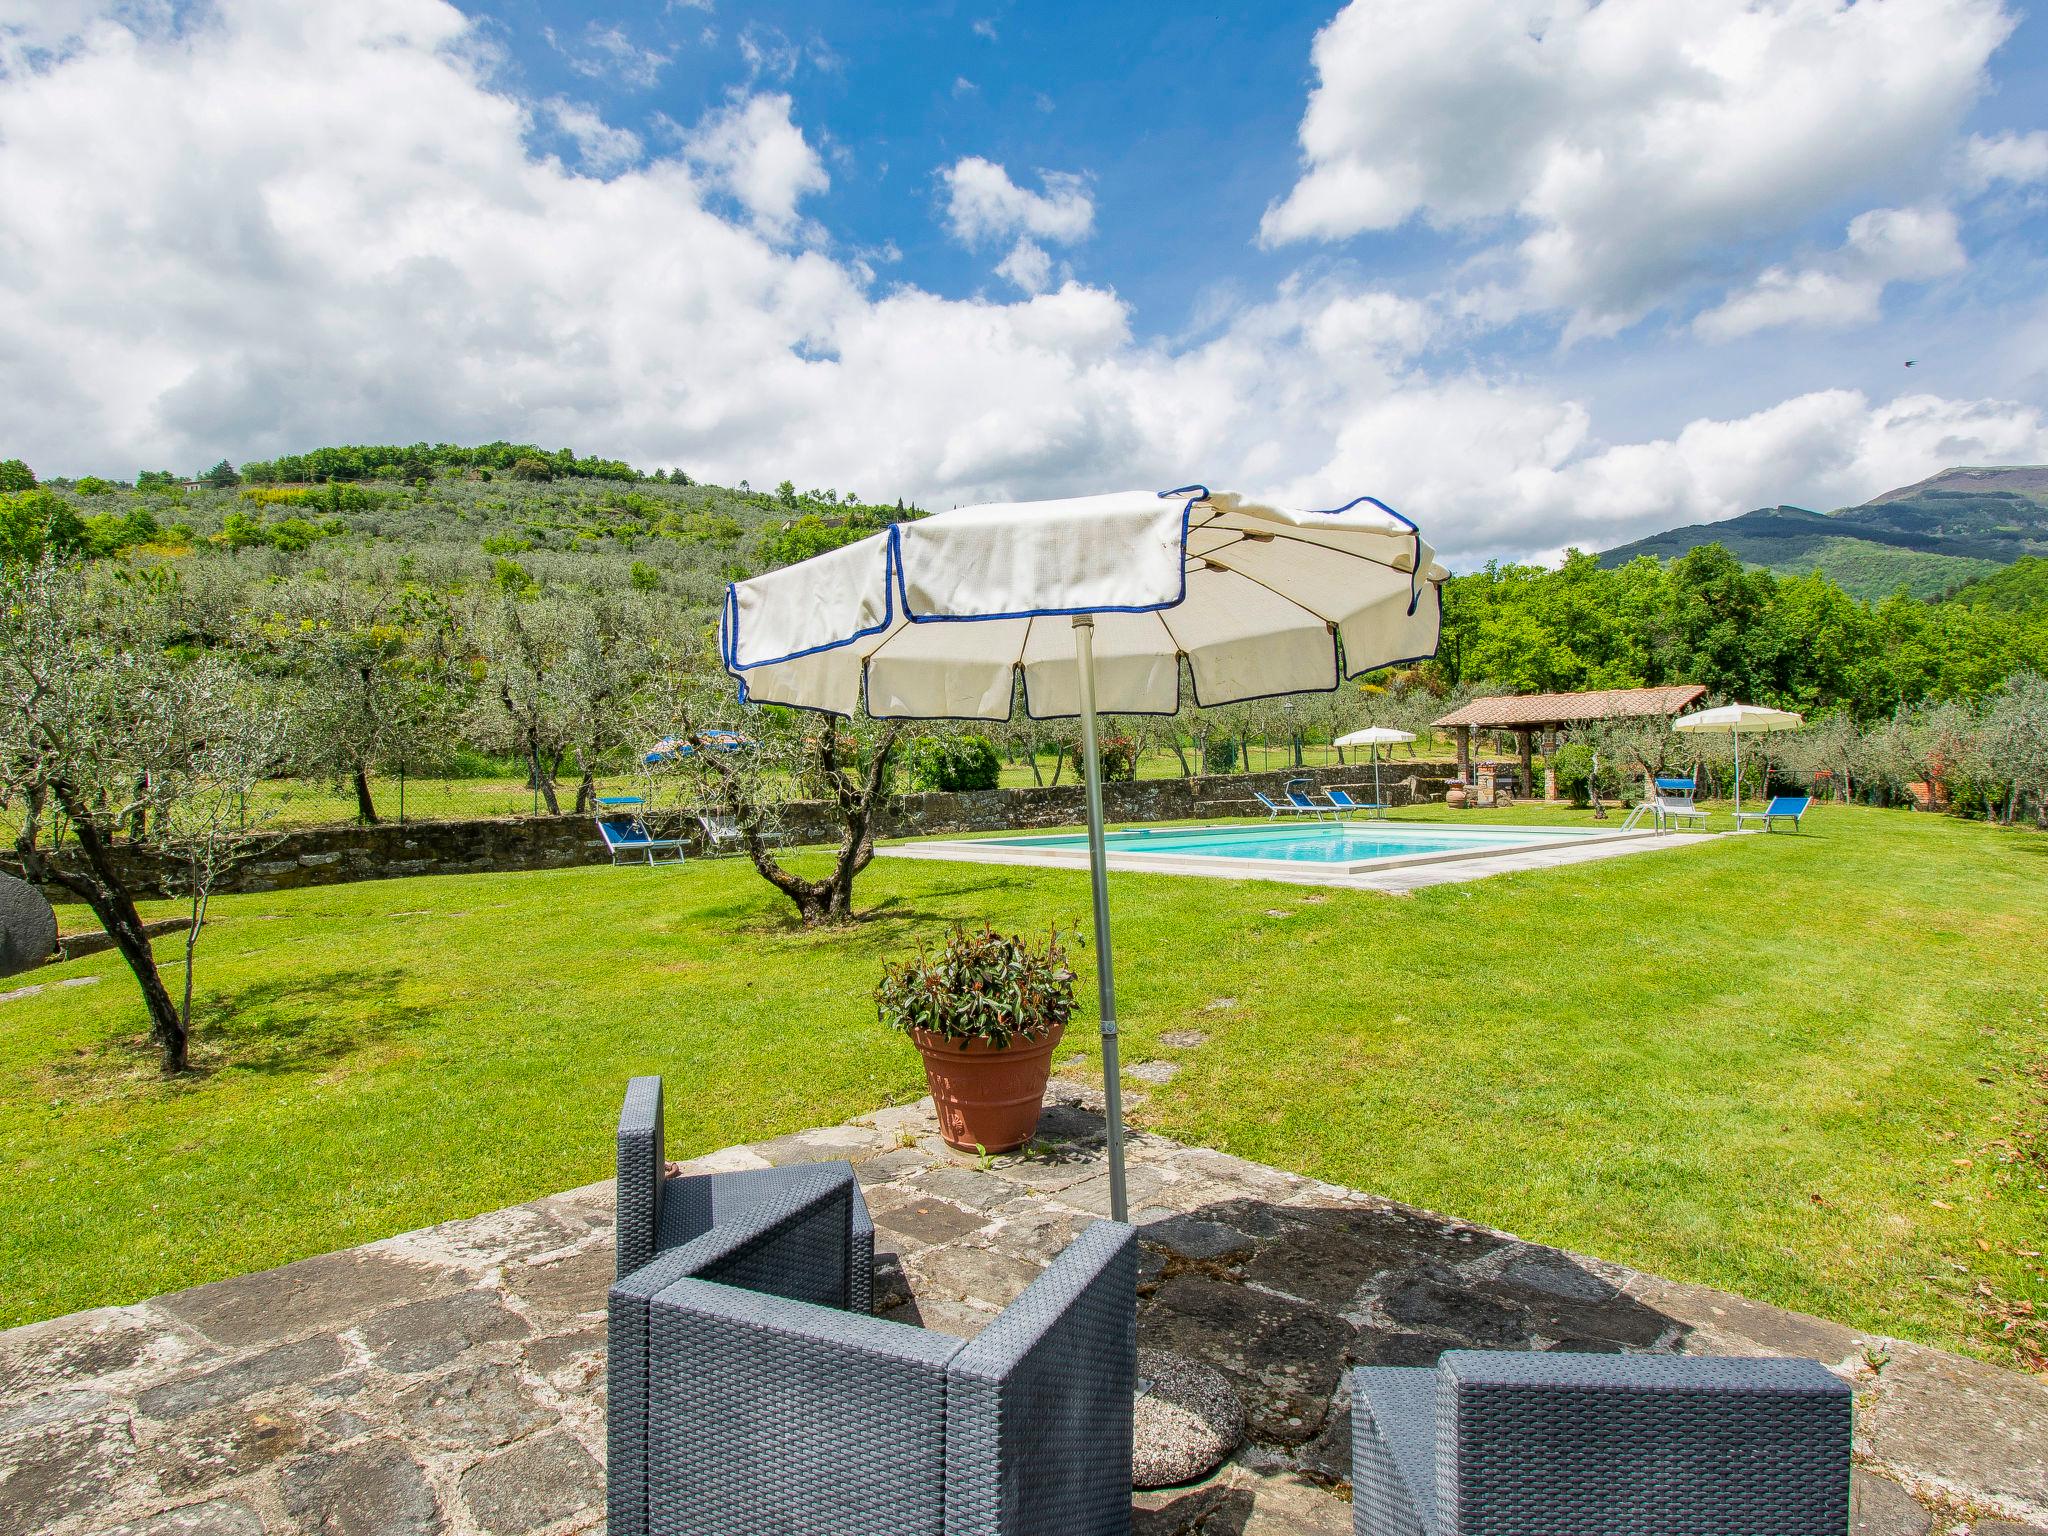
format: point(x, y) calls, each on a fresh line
point(38, 522)
point(507, 544)
point(222, 477)
point(1118, 755)
point(2019, 588)
point(1219, 753)
point(16, 476)
point(511, 576)
point(980, 986)
point(951, 763)
point(1573, 765)
point(645, 578)
point(1745, 634)
point(293, 535)
point(91, 485)
point(243, 530)
point(530, 467)
point(155, 480)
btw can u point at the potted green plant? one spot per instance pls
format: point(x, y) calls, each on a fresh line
point(986, 1011)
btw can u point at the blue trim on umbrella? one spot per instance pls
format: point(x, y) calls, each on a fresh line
point(903, 586)
point(729, 644)
point(1415, 575)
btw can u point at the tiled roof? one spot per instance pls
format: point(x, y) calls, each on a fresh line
point(1532, 709)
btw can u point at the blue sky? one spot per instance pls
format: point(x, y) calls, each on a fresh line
point(1185, 125)
point(1540, 272)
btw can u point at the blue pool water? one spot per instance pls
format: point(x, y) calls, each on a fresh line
point(1324, 842)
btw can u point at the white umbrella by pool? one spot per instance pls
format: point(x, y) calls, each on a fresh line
point(1739, 720)
point(1093, 603)
point(1374, 736)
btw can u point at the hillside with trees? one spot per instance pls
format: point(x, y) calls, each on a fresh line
point(1928, 537)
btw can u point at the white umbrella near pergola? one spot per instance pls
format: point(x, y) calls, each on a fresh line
point(1093, 605)
point(1739, 720)
point(1374, 736)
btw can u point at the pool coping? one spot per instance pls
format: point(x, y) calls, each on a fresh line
point(1394, 872)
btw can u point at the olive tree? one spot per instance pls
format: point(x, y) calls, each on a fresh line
point(381, 677)
point(785, 755)
point(111, 748)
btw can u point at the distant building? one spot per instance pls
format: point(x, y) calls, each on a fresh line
point(1527, 713)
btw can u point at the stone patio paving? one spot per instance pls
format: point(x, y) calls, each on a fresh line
point(452, 1379)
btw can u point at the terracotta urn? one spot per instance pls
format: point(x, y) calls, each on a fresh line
point(987, 1096)
point(1456, 797)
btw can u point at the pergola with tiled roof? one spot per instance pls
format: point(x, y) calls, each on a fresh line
point(1527, 713)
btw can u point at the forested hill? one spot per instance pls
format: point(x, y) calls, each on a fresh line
point(1929, 538)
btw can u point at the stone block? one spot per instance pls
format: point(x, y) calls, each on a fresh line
point(534, 1484)
point(371, 1489)
point(273, 1305)
point(480, 1406)
point(298, 1363)
point(420, 1335)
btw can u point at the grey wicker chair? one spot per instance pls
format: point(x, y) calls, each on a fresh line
point(658, 1211)
point(748, 1393)
point(1507, 1444)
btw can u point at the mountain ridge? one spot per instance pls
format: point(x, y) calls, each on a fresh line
point(1930, 537)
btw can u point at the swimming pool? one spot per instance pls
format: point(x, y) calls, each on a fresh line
point(1387, 854)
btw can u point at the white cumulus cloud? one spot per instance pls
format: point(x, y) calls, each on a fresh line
point(1620, 148)
point(751, 149)
point(2013, 157)
point(1029, 266)
point(601, 147)
point(1885, 245)
point(983, 203)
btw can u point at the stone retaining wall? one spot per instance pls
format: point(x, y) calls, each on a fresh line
point(337, 855)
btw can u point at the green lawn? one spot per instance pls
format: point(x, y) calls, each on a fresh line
point(1810, 1069)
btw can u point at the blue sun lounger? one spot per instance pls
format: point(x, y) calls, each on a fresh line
point(1348, 806)
point(1294, 806)
point(1786, 807)
point(626, 836)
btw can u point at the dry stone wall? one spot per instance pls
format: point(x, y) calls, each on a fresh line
point(336, 855)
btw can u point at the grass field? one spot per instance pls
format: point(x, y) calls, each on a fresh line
point(1811, 1069)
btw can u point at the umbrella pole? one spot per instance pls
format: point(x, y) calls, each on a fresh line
point(1105, 978)
point(1736, 737)
point(1378, 799)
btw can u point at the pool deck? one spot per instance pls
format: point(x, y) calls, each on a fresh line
point(451, 1380)
point(1394, 875)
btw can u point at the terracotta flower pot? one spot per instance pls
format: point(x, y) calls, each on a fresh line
point(1456, 796)
point(987, 1097)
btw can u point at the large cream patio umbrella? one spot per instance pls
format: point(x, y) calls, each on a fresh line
point(1094, 604)
point(1739, 720)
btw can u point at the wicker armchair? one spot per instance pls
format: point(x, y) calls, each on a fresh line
point(1500, 1444)
point(749, 1393)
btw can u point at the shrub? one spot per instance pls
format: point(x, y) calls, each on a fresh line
point(1219, 754)
point(92, 485)
point(980, 986)
point(1119, 757)
point(1573, 765)
point(16, 476)
point(952, 763)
